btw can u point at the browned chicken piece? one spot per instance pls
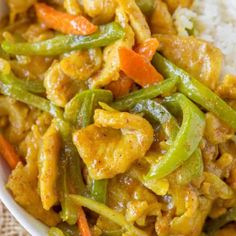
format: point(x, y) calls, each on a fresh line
point(227, 89)
point(173, 4)
point(23, 181)
point(161, 21)
point(59, 87)
point(19, 6)
point(111, 61)
point(200, 58)
point(113, 142)
point(48, 167)
point(101, 10)
point(137, 20)
point(25, 193)
point(82, 64)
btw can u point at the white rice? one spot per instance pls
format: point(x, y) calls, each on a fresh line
point(214, 21)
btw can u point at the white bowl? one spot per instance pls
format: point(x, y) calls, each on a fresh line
point(33, 226)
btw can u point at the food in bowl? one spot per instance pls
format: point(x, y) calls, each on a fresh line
point(114, 118)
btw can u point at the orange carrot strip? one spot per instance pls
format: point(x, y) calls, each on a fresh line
point(63, 22)
point(121, 86)
point(83, 223)
point(8, 153)
point(138, 68)
point(148, 48)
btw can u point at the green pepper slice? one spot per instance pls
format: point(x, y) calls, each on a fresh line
point(26, 97)
point(128, 102)
point(106, 35)
point(146, 6)
point(186, 141)
point(213, 225)
point(191, 168)
point(34, 86)
point(196, 91)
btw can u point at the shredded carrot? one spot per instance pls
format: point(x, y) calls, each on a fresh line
point(83, 223)
point(121, 86)
point(8, 153)
point(138, 67)
point(63, 22)
point(148, 48)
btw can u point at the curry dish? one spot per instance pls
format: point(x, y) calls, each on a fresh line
point(112, 123)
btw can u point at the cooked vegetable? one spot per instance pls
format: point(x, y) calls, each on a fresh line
point(196, 91)
point(74, 111)
point(82, 223)
point(190, 54)
point(33, 86)
point(186, 142)
point(107, 212)
point(65, 43)
point(86, 105)
point(69, 25)
point(137, 68)
point(120, 87)
point(8, 153)
point(112, 123)
point(191, 168)
point(111, 68)
point(72, 157)
point(146, 6)
point(215, 224)
point(30, 99)
point(98, 190)
point(148, 48)
point(128, 101)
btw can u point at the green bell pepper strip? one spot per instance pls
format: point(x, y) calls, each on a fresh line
point(85, 116)
point(70, 180)
point(191, 168)
point(108, 213)
point(155, 111)
point(98, 190)
point(213, 225)
point(146, 6)
point(196, 91)
point(69, 212)
point(186, 141)
point(128, 102)
point(54, 231)
point(73, 107)
point(106, 35)
point(90, 99)
point(34, 86)
point(26, 97)
point(71, 154)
